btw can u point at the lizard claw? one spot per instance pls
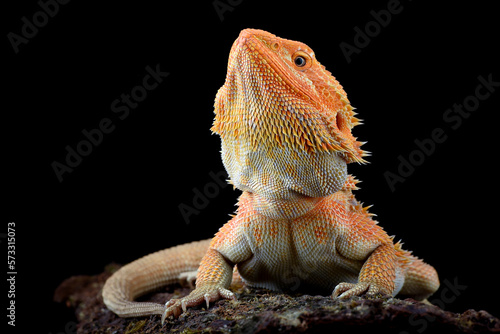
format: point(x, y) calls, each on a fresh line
point(183, 305)
point(207, 299)
point(347, 290)
point(207, 293)
point(172, 308)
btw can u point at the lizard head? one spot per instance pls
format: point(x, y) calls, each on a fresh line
point(277, 94)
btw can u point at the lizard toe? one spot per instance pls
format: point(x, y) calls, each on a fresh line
point(172, 308)
point(207, 293)
point(347, 290)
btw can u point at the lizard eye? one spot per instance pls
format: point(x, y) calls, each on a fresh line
point(301, 60)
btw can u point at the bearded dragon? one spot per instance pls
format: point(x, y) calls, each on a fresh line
point(285, 126)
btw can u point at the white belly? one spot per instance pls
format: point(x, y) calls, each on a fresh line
point(289, 258)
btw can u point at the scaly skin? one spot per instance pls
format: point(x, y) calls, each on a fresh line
point(285, 125)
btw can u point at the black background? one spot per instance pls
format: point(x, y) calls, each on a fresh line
point(122, 201)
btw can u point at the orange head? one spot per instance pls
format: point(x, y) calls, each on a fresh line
point(277, 94)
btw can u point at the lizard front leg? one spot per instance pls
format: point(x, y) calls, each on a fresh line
point(380, 274)
point(214, 278)
point(362, 239)
point(227, 248)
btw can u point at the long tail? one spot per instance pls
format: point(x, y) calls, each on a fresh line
point(150, 273)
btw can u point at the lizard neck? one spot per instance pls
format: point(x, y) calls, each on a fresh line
point(281, 181)
point(282, 208)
